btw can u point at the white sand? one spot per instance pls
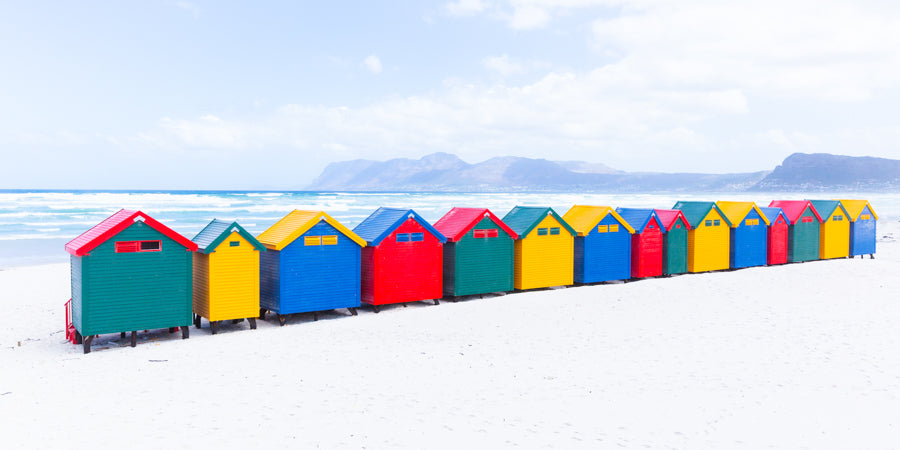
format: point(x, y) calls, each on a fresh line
point(797, 356)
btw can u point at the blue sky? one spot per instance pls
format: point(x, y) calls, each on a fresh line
point(262, 95)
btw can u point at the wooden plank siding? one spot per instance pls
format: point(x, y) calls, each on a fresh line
point(803, 238)
point(233, 280)
point(480, 265)
point(862, 234)
point(708, 244)
point(399, 272)
point(270, 280)
point(675, 248)
point(603, 256)
point(749, 241)
point(544, 260)
point(139, 290)
point(201, 284)
point(77, 290)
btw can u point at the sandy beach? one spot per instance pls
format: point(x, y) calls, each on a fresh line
point(795, 356)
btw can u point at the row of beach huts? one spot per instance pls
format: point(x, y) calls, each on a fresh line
point(131, 272)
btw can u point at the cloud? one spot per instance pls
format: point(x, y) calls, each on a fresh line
point(373, 64)
point(188, 6)
point(504, 65)
point(464, 7)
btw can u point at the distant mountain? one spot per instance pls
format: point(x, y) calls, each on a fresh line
point(446, 172)
point(824, 171)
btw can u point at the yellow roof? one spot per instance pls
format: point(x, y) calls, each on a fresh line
point(583, 218)
point(297, 222)
point(855, 208)
point(736, 211)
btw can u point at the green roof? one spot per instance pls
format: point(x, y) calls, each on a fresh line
point(695, 212)
point(209, 238)
point(522, 219)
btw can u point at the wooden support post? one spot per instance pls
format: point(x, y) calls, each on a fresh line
point(86, 344)
point(134, 338)
point(252, 321)
point(185, 332)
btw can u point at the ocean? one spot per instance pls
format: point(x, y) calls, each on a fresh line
point(35, 225)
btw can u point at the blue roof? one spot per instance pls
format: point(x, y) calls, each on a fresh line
point(217, 231)
point(772, 214)
point(638, 218)
point(381, 223)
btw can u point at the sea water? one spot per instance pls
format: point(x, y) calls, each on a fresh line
point(35, 225)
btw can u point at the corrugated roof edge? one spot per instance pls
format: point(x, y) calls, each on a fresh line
point(229, 228)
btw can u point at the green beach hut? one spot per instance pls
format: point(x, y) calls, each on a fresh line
point(675, 241)
point(803, 229)
point(478, 254)
point(129, 273)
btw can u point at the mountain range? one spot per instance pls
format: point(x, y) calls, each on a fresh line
point(446, 172)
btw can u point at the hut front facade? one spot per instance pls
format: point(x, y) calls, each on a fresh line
point(834, 232)
point(226, 274)
point(478, 254)
point(708, 238)
point(777, 236)
point(602, 244)
point(311, 264)
point(646, 242)
point(749, 234)
point(544, 248)
point(129, 273)
point(403, 259)
point(675, 240)
point(862, 227)
point(803, 229)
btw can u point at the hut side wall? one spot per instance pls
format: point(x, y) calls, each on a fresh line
point(449, 276)
point(319, 277)
point(545, 260)
point(749, 242)
point(862, 234)
point(139, 290)
point(77, 289)
point(406, 271)
point(483, 264)
point(233, 280)
point(606, 256)
point(201, 284)
point(270, 280)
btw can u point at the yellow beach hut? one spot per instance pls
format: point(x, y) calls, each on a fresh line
point(544, 250)
point(708, 238)
point(834, 232)
point(226, 274)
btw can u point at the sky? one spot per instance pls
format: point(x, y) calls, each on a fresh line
point(162, 94)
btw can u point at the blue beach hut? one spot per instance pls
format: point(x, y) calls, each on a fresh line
point(602, 244)
point(862, 227)
point(312, 264)
point(748, 240)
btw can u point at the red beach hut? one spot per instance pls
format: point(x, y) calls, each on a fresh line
point(777, 246)
point(403, 259)
point(646, 242)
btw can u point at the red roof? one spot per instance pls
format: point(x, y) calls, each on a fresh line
point(668, 217)
point(115, 223)
point(793, 209)
point(458, 221)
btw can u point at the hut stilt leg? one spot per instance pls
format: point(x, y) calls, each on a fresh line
point(252, 321)
point(134, 338)
point(871, 256)
point(375, 308)
point(185, 332)
point(122, 335)
point(172, 329)
point(197, 321)
point(262, 314)
point(353, 311)
point(86, 344)
point(281, 320)
point(437, 301)
point(78, 338)
point(214, 326)
point(236, 321)
point(315, 317)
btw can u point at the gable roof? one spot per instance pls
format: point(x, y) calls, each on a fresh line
point(583, 218)
point(209, 238)
point(772, 214)
point(638, 218)
point(695, 212)
point(458, 221)
point(381, 223)
point(793, 209)
point(297, 222)
point(115, 223)
point(737, 211)
point(523, 219)
point(828, 207)
point(670, 216)
point(855, 208)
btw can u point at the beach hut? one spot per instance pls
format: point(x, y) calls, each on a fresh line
point(749, 234)
point(862, 227)
point(646, 242)
point(708, 238)
point(803, 229)
point(544, 247)
point(834, 232)
point(129, 273)
point(403, 261)
point(776, 236)
point(311, 264)
point(602, 243)
point(478, 254)
point(675, 241)
point(226, 274)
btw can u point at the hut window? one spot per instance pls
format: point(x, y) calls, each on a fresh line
point(417, 237)
point(807, 219)
point(312, 240)
point(234, 244)
point(708, 223)
point(554, 231)
point(751, 222)
point(137, 246)
point(613, 228)
point(837, 218)
point(864, 217)
point(602, 228)
point(651, 226)
point(717, 222)
point(480, 234)
point(677, 225)
point(542, 231)
point(486, 233)
point(329, 240)
point(402, 237)
point(493, 232)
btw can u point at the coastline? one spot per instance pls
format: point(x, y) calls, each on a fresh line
point(800, 355)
